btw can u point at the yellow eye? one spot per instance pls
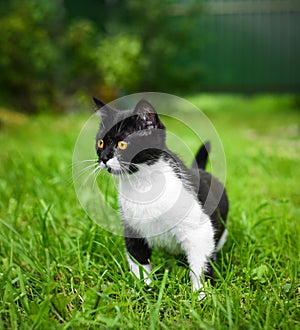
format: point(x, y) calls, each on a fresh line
point(100, 144)
point(122, 145)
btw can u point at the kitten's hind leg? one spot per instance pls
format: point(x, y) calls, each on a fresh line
point(199, 247)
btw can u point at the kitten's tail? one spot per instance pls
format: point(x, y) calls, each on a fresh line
point(202, 156)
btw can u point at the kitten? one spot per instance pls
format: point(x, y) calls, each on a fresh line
point(163, 204)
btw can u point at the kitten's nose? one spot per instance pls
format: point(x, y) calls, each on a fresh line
point(104, 160)
point(105, 157)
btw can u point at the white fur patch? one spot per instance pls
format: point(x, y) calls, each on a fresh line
point(156, 204)
point(154, 200)
point(114, 164)
point(101, 165)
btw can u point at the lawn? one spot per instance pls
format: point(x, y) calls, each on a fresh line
point(59, 270)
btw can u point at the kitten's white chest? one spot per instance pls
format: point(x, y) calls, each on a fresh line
point(155, 202)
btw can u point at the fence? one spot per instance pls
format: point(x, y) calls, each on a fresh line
point(250, 45)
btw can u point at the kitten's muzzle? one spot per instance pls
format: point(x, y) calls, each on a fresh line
point(112, 165)
point(101, 164)
point(104, 158)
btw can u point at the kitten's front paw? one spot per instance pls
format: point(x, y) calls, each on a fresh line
point(202, 295)
point(147, 280)
point(140, 271)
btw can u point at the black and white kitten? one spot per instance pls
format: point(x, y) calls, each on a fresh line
point(164, 204)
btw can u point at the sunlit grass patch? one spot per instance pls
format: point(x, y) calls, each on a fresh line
point(60, 270)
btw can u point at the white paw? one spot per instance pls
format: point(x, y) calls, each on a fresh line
point(140, 271)
point(202, 295)
point(147, 280)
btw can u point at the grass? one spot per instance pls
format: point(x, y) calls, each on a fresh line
point(59, 270)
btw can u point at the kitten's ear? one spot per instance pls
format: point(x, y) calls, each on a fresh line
point(99, 103)
point(103, 108)
point(148, 114)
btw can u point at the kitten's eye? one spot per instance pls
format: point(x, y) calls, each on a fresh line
point(122, 145)
point(100, 144)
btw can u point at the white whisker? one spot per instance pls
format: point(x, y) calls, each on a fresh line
point(81, 172)
point(81, 162)
point(97, 173)
point(88, 177)
point(84, 161)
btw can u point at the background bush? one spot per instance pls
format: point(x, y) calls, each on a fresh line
point(52, 59)
point(55, 54)
point(29, 54)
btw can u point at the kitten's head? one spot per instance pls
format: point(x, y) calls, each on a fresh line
point(129, 138)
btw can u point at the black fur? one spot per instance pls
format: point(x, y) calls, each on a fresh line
point(201, 157)
point(99, 103)
point(211, 193)
point(143, 127)
point(138, 248)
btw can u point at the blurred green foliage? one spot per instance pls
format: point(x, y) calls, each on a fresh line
point(120, 62)
point(52, 58)
point(29, 54)
point(56, 54)
point(167, 31)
